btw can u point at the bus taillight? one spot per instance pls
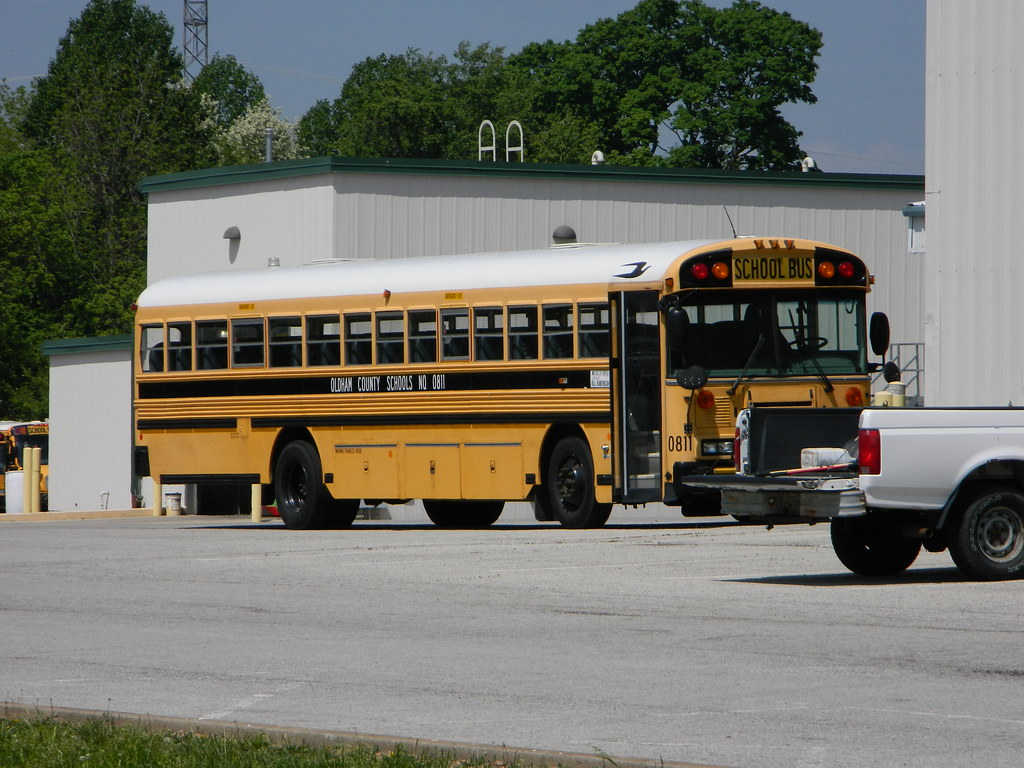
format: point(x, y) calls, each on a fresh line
point(826, 270)
point(707, 270)
point(846, 269)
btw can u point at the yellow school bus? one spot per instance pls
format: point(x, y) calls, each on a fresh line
point(15, 437)
point(574, 377)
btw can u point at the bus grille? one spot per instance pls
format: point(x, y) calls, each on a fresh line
point(725, 416)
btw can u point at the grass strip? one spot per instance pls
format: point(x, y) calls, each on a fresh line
point(46, 742)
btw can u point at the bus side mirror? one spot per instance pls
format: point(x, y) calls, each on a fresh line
point(878, 332)
point(692, 378)
point(677, 327)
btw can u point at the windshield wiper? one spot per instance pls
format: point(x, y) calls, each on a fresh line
point(810, 354)
point(746, 365)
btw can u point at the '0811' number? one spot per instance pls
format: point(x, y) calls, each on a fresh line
point(677, 443)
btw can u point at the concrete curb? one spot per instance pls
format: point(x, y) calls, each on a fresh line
point(104, 514)
point(279, 735)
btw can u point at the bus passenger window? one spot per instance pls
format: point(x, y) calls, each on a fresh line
point(522, 333)
point(488, 333)
point(151, 348)
point(455, 334)
point(557, 331)
point(390, 338)
point(594, 336)
point(247, 343)
point(285, 342)
point(358, 339)
point(212, 344)
point(323, 339)
point(179, 350)
point(423, 336)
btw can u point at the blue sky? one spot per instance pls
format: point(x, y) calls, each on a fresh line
point(869, 117)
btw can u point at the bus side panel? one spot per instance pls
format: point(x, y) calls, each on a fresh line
point(362, 469)
point(187, 452)
point(493, 471)
point(433, 470)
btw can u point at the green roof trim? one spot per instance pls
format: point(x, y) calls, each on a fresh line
point(286, 169)
point(89, 344)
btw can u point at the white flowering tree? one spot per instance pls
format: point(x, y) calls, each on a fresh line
point(244, 140)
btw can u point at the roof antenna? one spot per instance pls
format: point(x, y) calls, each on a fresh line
point(733, 226)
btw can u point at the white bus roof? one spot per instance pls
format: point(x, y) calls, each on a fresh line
point(558, 265)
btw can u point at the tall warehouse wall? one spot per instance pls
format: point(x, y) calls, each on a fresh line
point(975, 275)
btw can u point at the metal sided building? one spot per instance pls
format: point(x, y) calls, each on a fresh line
point(975, 278)
point(90, 423)
point(301, 211)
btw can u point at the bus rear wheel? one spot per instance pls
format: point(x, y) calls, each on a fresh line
point(463, 514)
point(569, 485)
point(303, 501)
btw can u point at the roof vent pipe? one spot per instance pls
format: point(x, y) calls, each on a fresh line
point(564, 234)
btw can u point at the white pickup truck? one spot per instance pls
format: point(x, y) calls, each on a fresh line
point(894, 480)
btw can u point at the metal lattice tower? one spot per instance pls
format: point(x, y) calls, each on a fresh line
point(194, 39)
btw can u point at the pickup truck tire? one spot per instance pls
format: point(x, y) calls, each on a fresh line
point(868, 546)
point(988, 540)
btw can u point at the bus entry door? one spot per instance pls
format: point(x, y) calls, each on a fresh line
point(636, 399)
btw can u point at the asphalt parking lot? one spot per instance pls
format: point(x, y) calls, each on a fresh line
point(657, 637)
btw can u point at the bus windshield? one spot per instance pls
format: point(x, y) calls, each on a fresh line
point(774, 334)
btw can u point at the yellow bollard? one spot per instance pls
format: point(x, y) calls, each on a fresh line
point(35, 480)
point(257, 503)
point(158, 498)
point(26, 479)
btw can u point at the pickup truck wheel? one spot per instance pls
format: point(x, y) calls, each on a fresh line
point(869, 548)
point(988, 541)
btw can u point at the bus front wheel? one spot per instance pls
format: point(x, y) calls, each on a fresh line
point(569, 485)
point(303, 500)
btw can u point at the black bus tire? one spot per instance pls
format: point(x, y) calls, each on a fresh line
point(569, 485)
point(303, 501)
point(987, 542)
point(463, 514)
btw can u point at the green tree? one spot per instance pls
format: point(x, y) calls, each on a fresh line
point(411, 105)
point(38, 276)
point(111, 110)
point(680, 83)
point(752, 61)
point(234, 89)
point(317, 130)
point(13, 105)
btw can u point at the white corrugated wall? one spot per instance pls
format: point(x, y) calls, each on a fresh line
point(90, 431)
point(974, 159)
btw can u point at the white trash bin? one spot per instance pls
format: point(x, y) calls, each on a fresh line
point(14, 491)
